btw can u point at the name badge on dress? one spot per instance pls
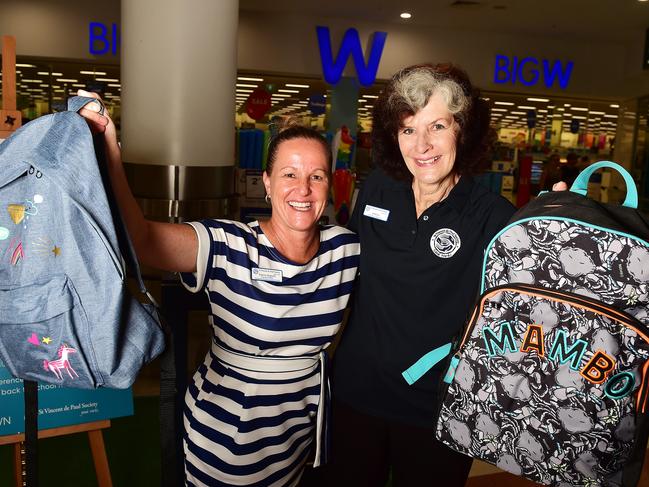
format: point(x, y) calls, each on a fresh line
point(376, 212)
point(269, 275)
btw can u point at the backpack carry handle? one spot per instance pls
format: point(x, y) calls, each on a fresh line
point(581, 182)
point(76, 103)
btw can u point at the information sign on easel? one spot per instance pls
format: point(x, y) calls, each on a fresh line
point(10, 118)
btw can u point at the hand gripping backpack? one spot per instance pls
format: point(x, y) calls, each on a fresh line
point(549, 379)
point(66, 315)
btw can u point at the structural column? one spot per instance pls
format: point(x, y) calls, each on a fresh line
point(179, 64)
point(178, 71)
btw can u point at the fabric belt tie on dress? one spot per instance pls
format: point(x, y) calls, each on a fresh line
point(271, 364)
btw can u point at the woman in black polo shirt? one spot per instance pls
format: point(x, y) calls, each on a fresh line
point(423, 224)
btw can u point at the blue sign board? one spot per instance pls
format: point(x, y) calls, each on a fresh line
point(317, 104)
point(102, 39)
point(350, 46)
point(59, 406)
point(529, 71)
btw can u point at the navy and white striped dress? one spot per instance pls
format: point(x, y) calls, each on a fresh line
point(244, 426)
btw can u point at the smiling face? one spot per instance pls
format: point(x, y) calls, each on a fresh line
point(427, 141)
point(298, 184)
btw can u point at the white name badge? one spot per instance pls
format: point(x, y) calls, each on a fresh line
point(270, 275)
point(376, 212)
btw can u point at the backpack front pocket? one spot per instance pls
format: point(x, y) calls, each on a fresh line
point(44, 334)
point(549, 385)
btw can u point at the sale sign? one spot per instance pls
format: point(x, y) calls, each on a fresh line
point(258, 104)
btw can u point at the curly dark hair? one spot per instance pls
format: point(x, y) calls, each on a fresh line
point(408, 92)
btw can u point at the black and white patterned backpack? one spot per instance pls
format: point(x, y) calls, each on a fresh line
point(549, 380)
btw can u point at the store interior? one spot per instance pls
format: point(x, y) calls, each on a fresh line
point(527, 124)
point(540, 125)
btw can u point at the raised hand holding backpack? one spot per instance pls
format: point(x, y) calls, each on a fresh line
point(66, 315)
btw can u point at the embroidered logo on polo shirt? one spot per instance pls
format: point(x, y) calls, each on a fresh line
point(445, 242)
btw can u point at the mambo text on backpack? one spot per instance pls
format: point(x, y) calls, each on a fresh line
point(66, 316)
point(549, 380)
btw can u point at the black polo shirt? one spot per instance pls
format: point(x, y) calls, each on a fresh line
point(419, 278)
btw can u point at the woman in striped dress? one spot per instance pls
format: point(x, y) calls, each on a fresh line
point(255, 409)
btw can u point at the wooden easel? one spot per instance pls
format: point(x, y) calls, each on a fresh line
point(10, 118)
point(95, 438)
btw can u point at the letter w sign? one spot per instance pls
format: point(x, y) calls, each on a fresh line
point(351, 45)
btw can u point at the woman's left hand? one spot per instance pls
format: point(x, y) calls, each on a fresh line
point(560, 186)
point(99, 123)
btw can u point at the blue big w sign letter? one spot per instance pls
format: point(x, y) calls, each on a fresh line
point(351, 45)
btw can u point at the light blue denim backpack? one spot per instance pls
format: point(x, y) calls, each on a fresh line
point(66, 315)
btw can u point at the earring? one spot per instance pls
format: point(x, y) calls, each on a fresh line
point(267, 199)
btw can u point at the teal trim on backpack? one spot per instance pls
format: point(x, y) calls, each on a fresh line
point(556, 218)
point(413, 373)
point(580, 185)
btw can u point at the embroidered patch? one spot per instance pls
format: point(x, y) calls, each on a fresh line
point(62, 363)
point(17, 254)
point(445, 242)
point(46, 340)
point(34, 339)
point(44, 245)
point(16, 213)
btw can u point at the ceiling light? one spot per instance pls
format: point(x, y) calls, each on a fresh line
point(579, 109)
point(25, 65)
point(579, 117)
point(245, 85)
point(31, 80)
point(94, 73)
point(78, 85)
point(596, 113)
point(107, 80)
point(67, 80)
point(288, 91)
point(542, 100)
point(405, 15)
point(296, 86)
point(280, 95)
point(525, 107)
point(369, 96)
point(610, 116)
point(614, 106)
point(498, 109)
point(241, 90)
point(518, 113)
point(543, 111)
point(244, 78)
point(507, 103)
